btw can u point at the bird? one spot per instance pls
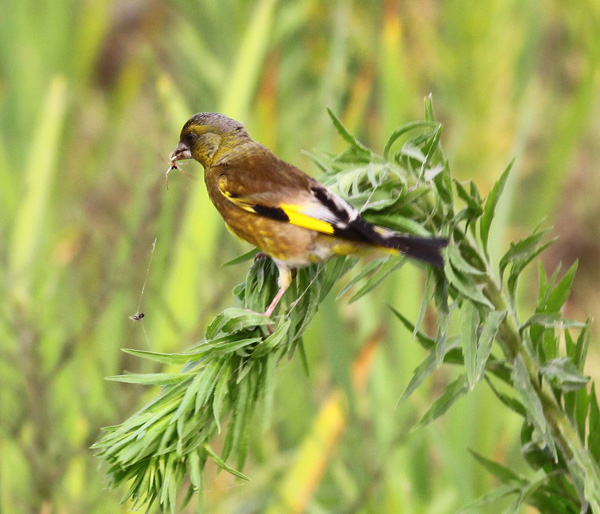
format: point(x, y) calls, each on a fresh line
point(275, 206)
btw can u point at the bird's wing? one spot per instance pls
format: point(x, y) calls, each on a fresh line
point(309, 205)
point(288, 195)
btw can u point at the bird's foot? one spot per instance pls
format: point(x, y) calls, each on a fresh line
point(269, 327)
point(271, 308)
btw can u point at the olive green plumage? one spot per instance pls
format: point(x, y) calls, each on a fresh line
point(280, 209)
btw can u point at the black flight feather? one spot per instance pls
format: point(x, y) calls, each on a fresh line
point(427, 249)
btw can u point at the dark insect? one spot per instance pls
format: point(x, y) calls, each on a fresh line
point(173, 166)
point(137, 317)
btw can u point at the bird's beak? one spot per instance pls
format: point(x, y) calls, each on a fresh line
point(181, 152)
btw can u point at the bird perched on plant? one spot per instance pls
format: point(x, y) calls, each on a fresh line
point(280, 209)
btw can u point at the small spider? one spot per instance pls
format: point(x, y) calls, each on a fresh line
point(137, 317)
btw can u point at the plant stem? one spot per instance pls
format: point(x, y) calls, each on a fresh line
point(581, 465)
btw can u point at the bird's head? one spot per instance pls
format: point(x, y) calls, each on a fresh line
point(205, 135)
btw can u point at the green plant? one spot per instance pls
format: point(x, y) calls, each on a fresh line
point(529, 370)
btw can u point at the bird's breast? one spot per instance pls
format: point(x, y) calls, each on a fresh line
point(278, 239)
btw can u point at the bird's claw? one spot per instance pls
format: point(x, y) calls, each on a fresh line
point(266, 314)
point(260, 256)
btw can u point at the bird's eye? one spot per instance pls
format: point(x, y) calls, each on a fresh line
point(189, 138)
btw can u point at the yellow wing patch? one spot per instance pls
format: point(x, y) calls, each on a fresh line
point(240, 202)
point(281, 212)
point(302, 220)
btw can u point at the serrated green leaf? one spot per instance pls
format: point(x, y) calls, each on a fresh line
point(459, 263)
point(470, 325)
point(548, 349)
point(237, 430)
point(166, 438)
point(532, 403)
point(165, 358)
point(371, 175)
point(151, 378)
point(421, 372)
point(551, 320)
point(424, 370)
point(522, 250)
point(383, 199)
point(308, 294)
point(268, 392)
point(429, 112)
point(235, 320)
point(274, 340)
point(431, 173)
point(224, 345)
point(543, 284)
point(221, 391)
point(303, 357)
point(189, 396)
point(512, 403)
point(441, 336)
point(222, 464)
point(551, 285)
point(490, 207)
point(399, 223)
point(443, 186)
point(240, 319)
point(404, 129)
point(322, 161)
point(475, 192)
point(583, 405)
point(335, 269)
point(428, 292)
point(389, 266)
point(593, 440)
point(257, 292)
point(571, 347)
point(565, 372)
point(349, 138)
point(518, 267)
point(474, 205)
point(426, 342)
point(561, 292)
point(493, 496)
point(486, 340)
point(232, 437)
point(412, 151)
point(164, 498)
point(463, 215)
point(431, 145)
point(546, 500)
point(452, 392)
point(207, 384)
point(188, 496)
point(579, 353)
point(244, 370)
point(528, 490)
point(368, 269)
point(250, 254)
point(466, 287)
point(500, 471)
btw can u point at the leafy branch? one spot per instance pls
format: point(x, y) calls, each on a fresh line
point(410, 190)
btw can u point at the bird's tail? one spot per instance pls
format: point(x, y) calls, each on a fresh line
point(427, 249)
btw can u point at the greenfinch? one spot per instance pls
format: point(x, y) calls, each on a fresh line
point(290, 216)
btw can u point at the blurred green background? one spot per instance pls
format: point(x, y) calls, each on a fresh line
point(92, 97)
